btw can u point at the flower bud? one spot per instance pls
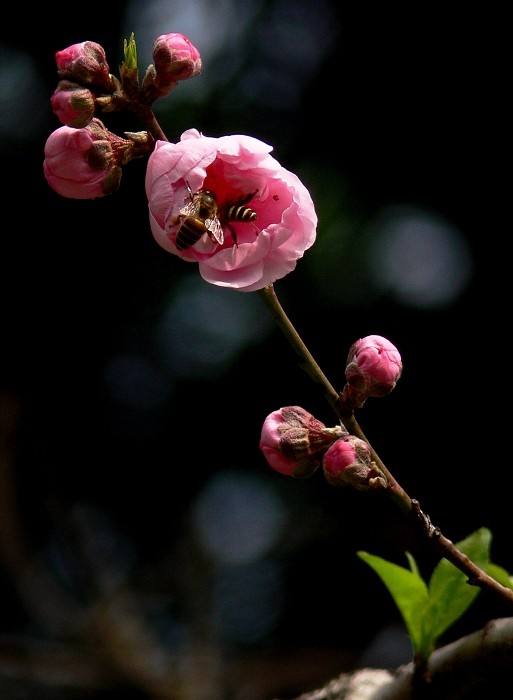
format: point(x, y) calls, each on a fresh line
point(85, 63)
point(348, 462)
point(85, 163)
point(73, 104)
point(373, 368)
point(293, 441)
point(175, 58)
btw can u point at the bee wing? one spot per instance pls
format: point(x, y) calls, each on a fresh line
point(190, 208)
point(215, 230)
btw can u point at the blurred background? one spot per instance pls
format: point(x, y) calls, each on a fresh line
point(146, 548)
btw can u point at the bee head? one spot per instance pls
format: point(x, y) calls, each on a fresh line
point(208, 198)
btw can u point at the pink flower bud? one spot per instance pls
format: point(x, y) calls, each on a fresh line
point(175, 58)
point(85, 63)
point(85, 163)
point(73, 104)
point(340, 455)
point(373, 368)
point(348, 461)
point(293, 441)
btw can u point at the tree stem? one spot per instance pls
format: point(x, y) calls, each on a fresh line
point(145, 114)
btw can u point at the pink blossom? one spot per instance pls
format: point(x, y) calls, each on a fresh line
point(373, 366)
point(74, 105)
point(175, 58)
point(81, 163)
point(232, 168)
point(85, 62)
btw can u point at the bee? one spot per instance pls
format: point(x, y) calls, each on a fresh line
point(201, 215)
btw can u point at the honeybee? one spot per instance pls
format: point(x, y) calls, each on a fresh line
point(201, 215)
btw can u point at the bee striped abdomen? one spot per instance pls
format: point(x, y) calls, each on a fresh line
point(240, 213)
point(190, 232)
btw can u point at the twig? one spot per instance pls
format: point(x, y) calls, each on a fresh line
point(410, 507)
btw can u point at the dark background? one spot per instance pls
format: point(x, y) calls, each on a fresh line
point(103, 471)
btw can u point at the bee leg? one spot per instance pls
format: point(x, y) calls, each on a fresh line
point(232, 231)
point(247, 198)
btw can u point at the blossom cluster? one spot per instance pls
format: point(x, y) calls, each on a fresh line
point(295, 443)
point(224, 203)
point(83, 159)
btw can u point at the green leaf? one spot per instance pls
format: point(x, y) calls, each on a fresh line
point(413, 564)
point(449, 593)
point(130, 52)
point(500, 575)
point(429, 611)
point(407, 589)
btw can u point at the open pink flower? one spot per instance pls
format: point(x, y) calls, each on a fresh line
point(233, 168)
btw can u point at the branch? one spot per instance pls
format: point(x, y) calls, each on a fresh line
point(468, 665)
point(410, 507)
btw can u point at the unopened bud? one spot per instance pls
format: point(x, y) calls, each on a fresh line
point(348, 462)
point(293, 441)
point(174, 59)
point(85, 163)
point(373, 368)
point(84, 63)
point(73, 104)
